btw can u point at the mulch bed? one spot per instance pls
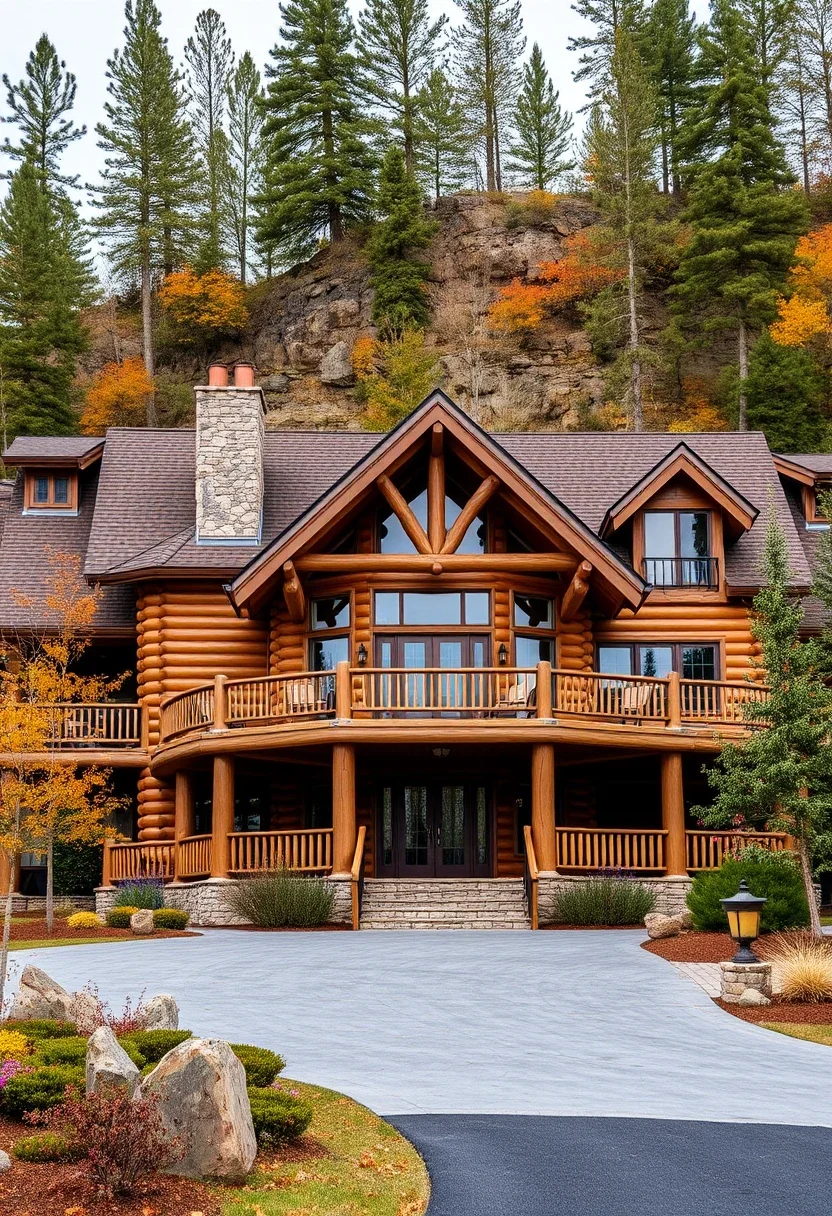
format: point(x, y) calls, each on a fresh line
point(781, 1011)
point(605, 928)
point(34, 929)
point(285, 929)
point(694, 948)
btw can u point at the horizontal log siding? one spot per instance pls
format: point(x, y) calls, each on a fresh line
point(287, 642)
point(704, 622)
point(187, 633)
point(575, 648)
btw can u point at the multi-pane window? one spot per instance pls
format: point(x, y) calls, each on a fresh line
point(329, 644)
point(534, 630)
point(392, 537)
point(677, 549)
point(693, 660)
point(432, 608)
point(45, 491)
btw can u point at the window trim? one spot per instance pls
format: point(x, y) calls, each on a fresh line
point(713, 556)
point(341, 631)
point(30, 503)
point(677, 646)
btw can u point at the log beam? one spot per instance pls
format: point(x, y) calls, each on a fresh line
point(432, 563)
point(576, 592)
point(402, 510)
point(673, 815)
point(293, 594)
point(469, 513)
point(343, 808)
point(436, 490)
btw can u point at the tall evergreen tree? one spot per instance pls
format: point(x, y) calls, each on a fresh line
point(786, 397)
point(319, 162)
point(671, 41)
point(148, 182)
point(398, 275)
point(795, 95)
point(399, 44)
point(40, 107)
point(744, 222)
point(210, 63)
point(621, 146)
point(768, 22)
point(488, 46)
point(543, 131)
point(443, 148)
point(244, 164)
point(596, 49)
point(45, 279)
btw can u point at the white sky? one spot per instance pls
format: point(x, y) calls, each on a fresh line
point(85, 33)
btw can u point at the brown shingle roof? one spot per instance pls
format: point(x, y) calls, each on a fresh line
point(52, 449)
point(813, 462)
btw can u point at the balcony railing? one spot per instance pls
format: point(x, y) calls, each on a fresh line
point(309, 851)
point(610, 849)
point(469, 692)
point(708, 850)
point(99, 724)
point(681, 571)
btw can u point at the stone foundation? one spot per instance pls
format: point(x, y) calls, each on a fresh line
point(207, 905)
point(37, 903)
point(671, 893)
point(738, 978)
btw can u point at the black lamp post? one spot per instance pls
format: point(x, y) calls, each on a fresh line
point(743, 911)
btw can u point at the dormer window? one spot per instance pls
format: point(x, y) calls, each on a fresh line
point(52, 492)
point(677, 549)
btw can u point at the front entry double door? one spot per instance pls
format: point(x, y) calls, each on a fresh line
point(435, 830)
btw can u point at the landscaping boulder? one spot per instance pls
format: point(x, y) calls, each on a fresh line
point(336, 367)
point(39, 996)
point(686, 919)
point(201, 1087)
point(141, 922)
point(85, 1011)
point(161, 1013)
point(658, 925)
point(5, 1162)
point(109, 1067)
point(752, 996)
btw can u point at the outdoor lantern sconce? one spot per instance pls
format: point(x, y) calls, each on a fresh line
point(743, 912)
point(502, 654)
point(362, 655)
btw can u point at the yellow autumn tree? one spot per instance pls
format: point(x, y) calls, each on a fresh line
point(803, 316)
point(393, 376)
point(202, 307)
point(117, 397)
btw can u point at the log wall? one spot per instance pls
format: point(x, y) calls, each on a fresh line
point(727, 624)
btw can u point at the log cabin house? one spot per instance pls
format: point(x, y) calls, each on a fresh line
point(432, 665)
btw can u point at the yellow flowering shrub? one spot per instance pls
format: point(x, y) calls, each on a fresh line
point(84, 920)
point(14, 1045)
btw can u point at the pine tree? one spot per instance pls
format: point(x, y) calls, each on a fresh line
point(40, 108)
point(744, 221)
point(488, 46)
point(768, 22)
point(796, 98)
point(543, 130)
point(596, 50)
point(671, 40)
point(45, 279)
point(398, 45)
point(786, 397)
point(398, 277)
point(244, 165)
point(319, 163)
point(148, 184)
point(210, 63)
point(781, 777)
point(442, 145)
point(620, 153)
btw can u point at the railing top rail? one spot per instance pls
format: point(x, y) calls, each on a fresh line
point(287, 832)
point(170, 697)
point(736, 832)
point(415, 671)
point(89, 704)
point(531, 857)
point(202, 836)
point(609, 675)
point(751, 685)
point(281, 677)
point(615, 831)
point(358, 856)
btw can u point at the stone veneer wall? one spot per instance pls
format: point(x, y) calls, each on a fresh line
point(670, 893)
point(229, 464)
point(206, 902)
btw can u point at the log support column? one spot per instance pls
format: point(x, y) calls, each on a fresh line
point(184, 816)
point(4, 876)
point(543, 806)
point(344, 831)
point(673, 815)
point(222, 815)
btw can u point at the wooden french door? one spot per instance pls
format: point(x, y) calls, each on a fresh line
point(435, 830)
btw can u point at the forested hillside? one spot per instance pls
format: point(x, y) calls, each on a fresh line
point(401, 202)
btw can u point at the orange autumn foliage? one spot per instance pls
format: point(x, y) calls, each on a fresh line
point(117, 397)
point(201, 306)
point(804, 315)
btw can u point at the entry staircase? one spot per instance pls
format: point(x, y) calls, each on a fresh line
point(444, 903)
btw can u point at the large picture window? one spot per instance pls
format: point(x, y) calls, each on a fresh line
point(329, 623)
point(692, 660)
point(432, 608)
point(677, 549)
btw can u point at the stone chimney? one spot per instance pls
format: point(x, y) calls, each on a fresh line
point(229, 458)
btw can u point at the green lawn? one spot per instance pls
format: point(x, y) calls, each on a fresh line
point(40, 943)
point(803, 1030)
point(366, 1168)
point(826, 920)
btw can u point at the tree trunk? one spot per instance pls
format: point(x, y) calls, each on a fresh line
point(742, 421)
point(50, 886)
point(407, 123)
point(498, 172)
point(7, 928)
point(638, 405)
point(147, 336)
point(809, 886)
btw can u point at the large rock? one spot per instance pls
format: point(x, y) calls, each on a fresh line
point(658, 925)
point(39, 996)
point(109, 1067)
point(161, 1013)
point(753, 996)
point(141, 922)
point(5, 1162)
point(201, 1087)
point(336, 368)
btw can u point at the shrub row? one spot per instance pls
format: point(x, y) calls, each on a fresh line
point(163, 918)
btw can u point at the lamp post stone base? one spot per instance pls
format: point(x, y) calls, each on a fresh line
point(740, 978)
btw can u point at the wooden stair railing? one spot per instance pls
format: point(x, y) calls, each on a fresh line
point(357, 878)
point(531, 876)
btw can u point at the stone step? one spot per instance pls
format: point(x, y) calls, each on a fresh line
point(474, 926)
point(449, 903)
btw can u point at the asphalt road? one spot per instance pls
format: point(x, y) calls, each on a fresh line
point(527, 1165)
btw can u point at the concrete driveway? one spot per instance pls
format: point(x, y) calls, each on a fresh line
point(558, 1023)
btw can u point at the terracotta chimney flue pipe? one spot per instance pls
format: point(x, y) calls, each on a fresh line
point(244, 375)
point(218, 375)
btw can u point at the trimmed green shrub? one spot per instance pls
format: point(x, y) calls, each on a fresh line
point(277, 1116)
point(170, 918)
point(77, 868)
point(281, 899)
point(261, 1065)
point(48, 1146)
point(74, 1051)
point(39, 1089)
point(119, 918)
point(140, 893)
point(42, 1028)
point(776, 877)
point(603, 901)
point(151, 1045)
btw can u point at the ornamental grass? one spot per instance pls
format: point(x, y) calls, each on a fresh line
point(804, 967)
point(282, 899)
point(603, 901)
